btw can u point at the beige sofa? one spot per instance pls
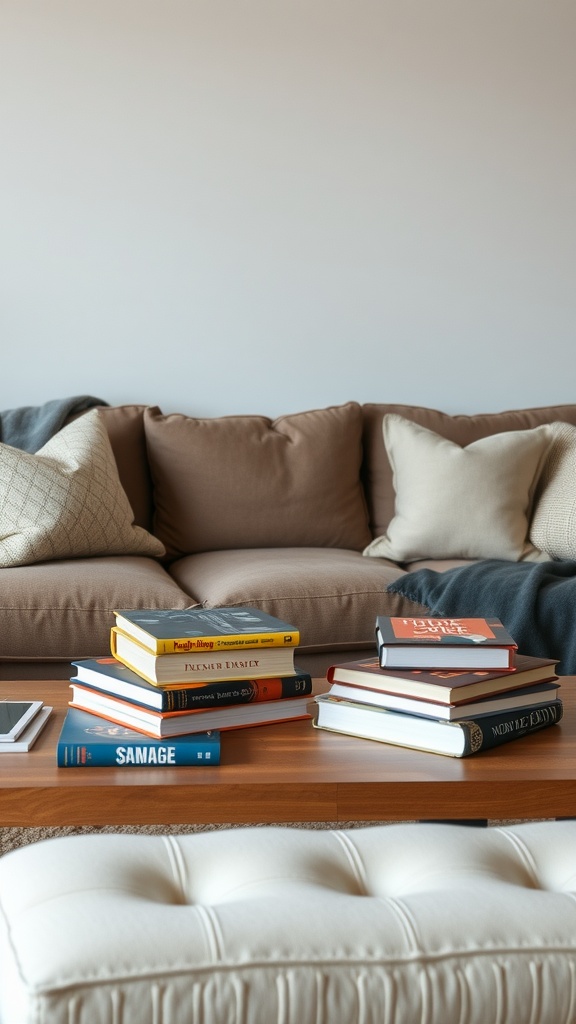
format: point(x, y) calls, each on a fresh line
point(291, 515)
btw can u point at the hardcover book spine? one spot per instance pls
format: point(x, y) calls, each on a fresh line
point(183, 645)
point(492, 730)
point(215, 695)
point(173, 669)
point(126, 755)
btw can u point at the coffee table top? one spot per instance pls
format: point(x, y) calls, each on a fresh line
point(292, 772)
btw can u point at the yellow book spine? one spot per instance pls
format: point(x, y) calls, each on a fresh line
point(183, 645)
point(125, 661)
point(188, 644)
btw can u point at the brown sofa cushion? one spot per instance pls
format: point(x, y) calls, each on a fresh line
point(376, 470)
point(125, 426)
point(63, 610)
point(248, 481)
point(332, 596)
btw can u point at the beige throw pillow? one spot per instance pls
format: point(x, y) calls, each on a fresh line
point(454, 502)
point(553, 526)
point(67, 501)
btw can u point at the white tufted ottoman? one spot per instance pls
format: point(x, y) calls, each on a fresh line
point(399, 924)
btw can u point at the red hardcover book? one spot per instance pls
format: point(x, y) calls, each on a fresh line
point(445, 686)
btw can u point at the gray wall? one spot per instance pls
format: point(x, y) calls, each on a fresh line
point(223, 206)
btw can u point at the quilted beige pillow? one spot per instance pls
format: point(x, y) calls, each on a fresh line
point(553, 526)
point(454, 502)
point(67, 501)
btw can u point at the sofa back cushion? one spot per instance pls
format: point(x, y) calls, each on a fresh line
point(125, 427)
point(248, 481)
point(376, 469)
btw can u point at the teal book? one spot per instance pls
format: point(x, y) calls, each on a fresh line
point(88, 740)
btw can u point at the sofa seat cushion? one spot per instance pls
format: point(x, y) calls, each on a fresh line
point(438, 564)
point(247, 481)
point(331, 595)
point(64, 609)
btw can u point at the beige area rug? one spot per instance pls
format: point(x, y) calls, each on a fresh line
point(12, 838)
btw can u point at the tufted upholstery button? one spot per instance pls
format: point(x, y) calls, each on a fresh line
point(398, 924)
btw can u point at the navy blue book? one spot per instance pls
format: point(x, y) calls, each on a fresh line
point(107, 675)
point(91, 741)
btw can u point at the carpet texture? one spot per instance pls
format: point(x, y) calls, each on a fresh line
point(12, 838)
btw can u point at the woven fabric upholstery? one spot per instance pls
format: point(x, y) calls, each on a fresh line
point(462, 429)
point(395, 924)
point(125, 428)
point(333, 596)
point(553, 526)
point(64, 609)
point(454, 502)
point(248, 481)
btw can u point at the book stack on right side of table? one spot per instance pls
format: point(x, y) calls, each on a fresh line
point(176, 675)
point(452, 686)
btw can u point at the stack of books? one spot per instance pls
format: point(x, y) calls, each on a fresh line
point(182, 677)
point(453, 686)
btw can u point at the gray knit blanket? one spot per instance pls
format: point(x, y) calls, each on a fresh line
point(29, 427)
point(536, 601)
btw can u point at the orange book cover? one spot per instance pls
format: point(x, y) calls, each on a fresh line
point(163, 726)
point(448, 630)
point(444, 642)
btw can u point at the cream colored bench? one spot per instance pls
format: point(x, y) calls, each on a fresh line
point(399, 924)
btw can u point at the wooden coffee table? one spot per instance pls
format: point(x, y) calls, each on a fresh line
point(292, 772)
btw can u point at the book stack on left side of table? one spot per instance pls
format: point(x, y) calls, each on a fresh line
point(179, 678)
point(453, 686)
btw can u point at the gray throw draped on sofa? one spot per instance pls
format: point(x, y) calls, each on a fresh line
point(535, 601)
point(29, 427)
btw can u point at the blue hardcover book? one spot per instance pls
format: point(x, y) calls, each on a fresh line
point(90, 741)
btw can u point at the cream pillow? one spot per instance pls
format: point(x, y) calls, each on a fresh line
point(553, 526)
point(67, 501)
point(454, 502)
